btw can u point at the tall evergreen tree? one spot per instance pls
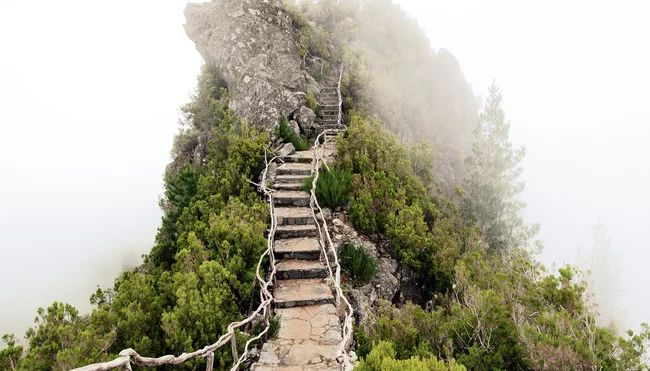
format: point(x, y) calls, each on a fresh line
point(493, 181)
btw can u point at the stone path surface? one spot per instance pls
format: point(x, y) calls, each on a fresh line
point(310, 328)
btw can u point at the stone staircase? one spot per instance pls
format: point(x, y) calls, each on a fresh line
point(310, 329)
point(330, 105)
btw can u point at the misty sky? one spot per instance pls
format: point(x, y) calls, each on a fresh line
point(89, 97)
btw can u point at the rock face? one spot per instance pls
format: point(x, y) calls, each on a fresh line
point(252, 45)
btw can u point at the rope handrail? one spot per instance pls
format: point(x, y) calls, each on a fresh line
point(341, 357)
point(128, 356)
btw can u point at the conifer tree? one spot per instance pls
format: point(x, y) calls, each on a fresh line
point(493, 181)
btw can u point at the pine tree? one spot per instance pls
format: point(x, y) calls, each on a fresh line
point(493, 180)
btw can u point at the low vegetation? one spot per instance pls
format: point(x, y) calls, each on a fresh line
point(382, 358)
point(284, 131)
point(333, 188)
point(358, 264)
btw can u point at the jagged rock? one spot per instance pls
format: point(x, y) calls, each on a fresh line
point(285, 150)
point(409, 291)
point(327, 213)
point(306, 118)
point(361, 305)
point(294, 127)
point(385, 282)
point(388, 265)
point(252, 46)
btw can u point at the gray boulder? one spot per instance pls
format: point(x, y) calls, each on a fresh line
point(305, 119)
point(385, 282)
point(286, 149)
point(251, 44)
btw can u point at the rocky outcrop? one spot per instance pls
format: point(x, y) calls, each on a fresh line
point(306, 120)
point(252, 45)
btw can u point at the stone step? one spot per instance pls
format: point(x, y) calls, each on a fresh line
point(290, 178)
point(309, 367)
point(334, 106)
point(294, 216)
point(294, 169)
point(302, 156)
point(288, 186)
point(303, 248)
point(296, 269)
point(330, 118)
point(295, 231)
point(302, 292)
point(291, 198)
point(297, 355)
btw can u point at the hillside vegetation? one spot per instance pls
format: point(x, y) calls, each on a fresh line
point(483, 301)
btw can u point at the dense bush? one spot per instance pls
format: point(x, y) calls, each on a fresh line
point(358, 264)
point(389, 197)
point(382, 358)
point(311, 102)
point(283, 130)
point(333, 188)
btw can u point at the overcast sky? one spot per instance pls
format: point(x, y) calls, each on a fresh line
point(89, 97)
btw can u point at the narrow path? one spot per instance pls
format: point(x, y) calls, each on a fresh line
point(310, 329)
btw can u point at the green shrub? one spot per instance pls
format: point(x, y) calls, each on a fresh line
point(274, 328)
point(311, 101)
point(358, 263)
point(318, 111)
point(333, 188)
point(284, 131)
point(382, 358)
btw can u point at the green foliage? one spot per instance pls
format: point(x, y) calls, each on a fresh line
point(388, 197)
point(333, 187)
point(10, 356)
point(283, 130)
point(63, 339)
point(358, 264)
point(311, 101)
point(494, 168)
point(180, 188)
point(382, 358)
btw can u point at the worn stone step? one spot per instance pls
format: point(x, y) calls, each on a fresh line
point(295, 269)
point(330, 118)
point(294, 169)
point(303, 248)
point(302, 292)
point(290, 178)
point(294, 216)
point(288, 186)
point(294, 231)
point(297, 355)
point(334, 106)
point(302, 156)
point(291, 198)
point(309, 367)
